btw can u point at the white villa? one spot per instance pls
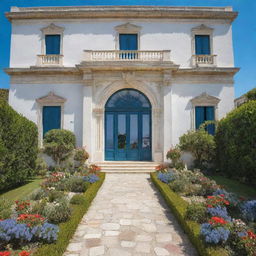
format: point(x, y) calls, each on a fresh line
point(127, 80)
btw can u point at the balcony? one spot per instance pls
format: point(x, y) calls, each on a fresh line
point(204, 60)
point(127, 55)
point(50, 60)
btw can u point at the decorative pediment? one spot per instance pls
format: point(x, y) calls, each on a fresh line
point(52, 29)
point(203, 29)
point(51, 98)
point(205, 99)
point(128, 28)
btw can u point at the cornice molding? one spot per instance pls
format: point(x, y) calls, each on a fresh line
point(163, 12)
point(207, 71)
point(42, 71)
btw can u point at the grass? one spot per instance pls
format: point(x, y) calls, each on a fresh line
point(22, 191)
point(235, 187)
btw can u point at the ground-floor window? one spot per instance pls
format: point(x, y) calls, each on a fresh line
point(51, 118)
point(205, 113)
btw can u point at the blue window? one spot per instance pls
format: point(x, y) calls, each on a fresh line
point(52, 44)
point(128, 42)
point(202, 45)
point(51, 118)
point(205, 114)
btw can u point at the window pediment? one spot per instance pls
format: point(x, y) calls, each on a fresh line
point(205, 99)
point(52, 29)
point(202, 29)
point(51, 97)
point(128, 28)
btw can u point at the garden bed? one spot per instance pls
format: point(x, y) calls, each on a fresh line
point(219, 223)
point(44, 221)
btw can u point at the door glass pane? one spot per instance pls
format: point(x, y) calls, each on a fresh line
point(133, 131)
point(145, 131)
point(110, 131)
point(121, 137)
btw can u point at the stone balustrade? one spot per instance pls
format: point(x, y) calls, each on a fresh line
point(204, 60)
point(127, 55)
point(50, 60)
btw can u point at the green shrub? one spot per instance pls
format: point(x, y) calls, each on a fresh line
point(38, 194)
point(18, 147)
point(196, 212)
point(5, 208)
point(179, 208)
point(201, 145)
point(81, 156)
point(57, 212)
point(68, 228)
point(54, 195)
point(4, 93)
point(41, 166)
point(236, 143)
point(59, 144)
point(174, 154)
point(38, 207)
point(73, 184)
point(78, 199)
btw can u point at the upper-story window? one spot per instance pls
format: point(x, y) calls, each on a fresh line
point(52, 44)
point(128, 42)
point(202, 45)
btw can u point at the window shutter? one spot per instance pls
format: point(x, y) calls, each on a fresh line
point(210, 117)
point(51, 118)
point(52, 44)
point(202, 44)
point(199, 116)
point(128, 42)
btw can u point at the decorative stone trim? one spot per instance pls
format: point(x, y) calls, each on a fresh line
point(52, 29)
point(123, 12)
point(128, 28)
point(50, 99)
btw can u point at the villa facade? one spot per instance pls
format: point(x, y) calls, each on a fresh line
point(127, 80)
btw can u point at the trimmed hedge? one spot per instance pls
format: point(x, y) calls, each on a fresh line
point(179, 207)
point(18, 147)
point(236, 143)
point(68, 228)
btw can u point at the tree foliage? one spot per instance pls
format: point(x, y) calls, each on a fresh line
point(59, 144)
point(251, 95)
point(4, 93)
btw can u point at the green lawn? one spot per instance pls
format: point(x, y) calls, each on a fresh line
point(22, 191)
point(235, 186)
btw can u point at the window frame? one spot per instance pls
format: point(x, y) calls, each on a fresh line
point(52, 29)
point(51, 99)
point(201, 30)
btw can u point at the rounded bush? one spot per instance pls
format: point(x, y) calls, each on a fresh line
point(236, 143)
point(78, 199)
point(59, 144)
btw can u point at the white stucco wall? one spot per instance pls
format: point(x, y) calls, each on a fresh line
point(182, 113)
point(22, 98)
point(82, 35)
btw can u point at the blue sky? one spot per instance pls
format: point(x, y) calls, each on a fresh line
point(244, 31)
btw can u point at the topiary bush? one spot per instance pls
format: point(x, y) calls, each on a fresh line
point(236, 143)
point(201, 145)
point(18, 147)
point(59, 144)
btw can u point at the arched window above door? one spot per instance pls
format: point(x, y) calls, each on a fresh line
point(128, 99)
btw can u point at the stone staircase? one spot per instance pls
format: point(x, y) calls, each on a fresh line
point(127, 166)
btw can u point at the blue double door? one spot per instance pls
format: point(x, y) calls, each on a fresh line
point(128, 135)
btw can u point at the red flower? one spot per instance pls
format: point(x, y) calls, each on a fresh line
point(24, 253)
point(217, 220)
point(222, 195)
point(5, 253)
point(209, 206)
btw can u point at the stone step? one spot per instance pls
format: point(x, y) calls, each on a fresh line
point(127, 166)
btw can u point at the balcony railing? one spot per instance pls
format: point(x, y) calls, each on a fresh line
point(50, 60)
point(204, 60)
point(127, 55)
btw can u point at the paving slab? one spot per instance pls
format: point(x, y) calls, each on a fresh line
point(128, 217)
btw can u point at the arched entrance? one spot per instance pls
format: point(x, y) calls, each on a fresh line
point(128, 127)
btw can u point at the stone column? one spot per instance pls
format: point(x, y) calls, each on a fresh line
point(167, 115)
point(99, 134)
point(87, 112)
point(157, 135)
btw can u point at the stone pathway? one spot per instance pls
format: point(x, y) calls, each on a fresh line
point(129, 218)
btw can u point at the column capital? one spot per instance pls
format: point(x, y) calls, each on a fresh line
point(167, 77)
point(98, 112)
